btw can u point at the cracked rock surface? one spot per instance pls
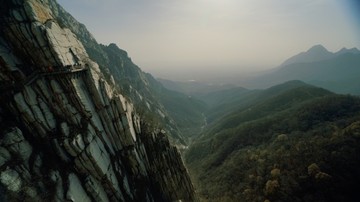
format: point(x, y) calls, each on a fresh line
point(67, 134)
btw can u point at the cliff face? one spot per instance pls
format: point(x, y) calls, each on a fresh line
point(66, 131)
point(119, 67)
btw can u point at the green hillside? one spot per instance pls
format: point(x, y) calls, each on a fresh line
point(242, 100)
point(300, 145)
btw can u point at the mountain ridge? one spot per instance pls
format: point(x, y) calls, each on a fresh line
point(317, 53)
point(329, 72)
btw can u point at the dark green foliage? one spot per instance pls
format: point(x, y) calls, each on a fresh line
point(268, 103)
point(265, 154)
point(186, 111)
point(241, 101)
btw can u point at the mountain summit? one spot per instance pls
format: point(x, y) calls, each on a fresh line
point(315, 53)
point(335, 71)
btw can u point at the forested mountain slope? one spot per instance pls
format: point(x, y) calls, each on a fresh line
point(240, 99)
point(298, 145)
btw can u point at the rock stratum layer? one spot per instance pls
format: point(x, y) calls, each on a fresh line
point(67, 134)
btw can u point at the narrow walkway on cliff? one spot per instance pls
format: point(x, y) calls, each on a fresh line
point(12, 87)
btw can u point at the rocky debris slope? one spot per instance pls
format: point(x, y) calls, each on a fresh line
point(66, 134)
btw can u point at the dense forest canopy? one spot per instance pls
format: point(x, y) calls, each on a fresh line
point(288, 147)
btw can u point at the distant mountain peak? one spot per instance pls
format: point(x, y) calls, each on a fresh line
point(315, 53)
point(318, 48)
point(346, 50)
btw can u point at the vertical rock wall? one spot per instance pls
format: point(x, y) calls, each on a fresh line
point(66, 133)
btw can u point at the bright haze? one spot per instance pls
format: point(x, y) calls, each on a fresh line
point(184, 39)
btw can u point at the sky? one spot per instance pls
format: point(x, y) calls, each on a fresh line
point(175, 39)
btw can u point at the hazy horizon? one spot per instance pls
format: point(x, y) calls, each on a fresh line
point(181, 39)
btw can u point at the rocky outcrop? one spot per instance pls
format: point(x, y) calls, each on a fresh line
point(145, 92)
point(117, 66)
point(67, 134)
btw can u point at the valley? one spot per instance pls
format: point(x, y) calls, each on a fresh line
point(81, 121)
point(281, 143)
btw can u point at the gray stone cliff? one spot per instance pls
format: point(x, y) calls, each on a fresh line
point(66, 132)
point(117, 66)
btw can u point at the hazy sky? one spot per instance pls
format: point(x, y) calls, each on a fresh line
point(193, 35)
